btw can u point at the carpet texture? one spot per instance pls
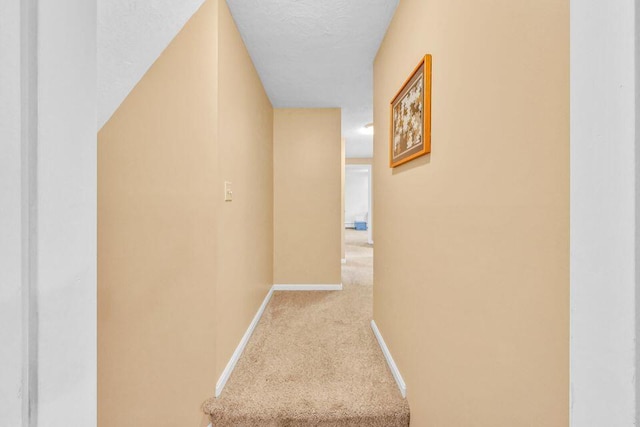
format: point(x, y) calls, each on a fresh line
point(314, 361)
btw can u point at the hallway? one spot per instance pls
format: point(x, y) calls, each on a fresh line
point(176, 178)
point(313, 359)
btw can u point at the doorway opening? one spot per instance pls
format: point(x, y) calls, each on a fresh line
point(358, 217)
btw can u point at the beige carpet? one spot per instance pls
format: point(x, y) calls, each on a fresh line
point(314, 361)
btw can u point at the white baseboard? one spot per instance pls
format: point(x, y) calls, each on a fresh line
point(392, 364)
point(222, 381)
point(224, 377)
point(309, 287)
point(343, 260)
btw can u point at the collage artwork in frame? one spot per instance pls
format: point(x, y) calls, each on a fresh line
point(411, 116)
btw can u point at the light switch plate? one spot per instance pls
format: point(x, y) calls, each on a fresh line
point(228, 192)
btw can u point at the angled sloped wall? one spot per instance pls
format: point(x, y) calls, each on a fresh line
point(132, 34)
point(157, 167)
point(181, 273)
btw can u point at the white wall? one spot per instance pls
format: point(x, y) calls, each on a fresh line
point(356, 193)
point(603, 213)
point(63, 164)
point(66, 234)
point(10, 212)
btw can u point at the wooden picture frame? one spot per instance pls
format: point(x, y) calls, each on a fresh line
point(410, 135)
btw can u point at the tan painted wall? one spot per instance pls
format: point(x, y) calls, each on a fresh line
point(307, 179)
point(471, 285)
point(246, 159)
point(156, 239)
point(174, 293)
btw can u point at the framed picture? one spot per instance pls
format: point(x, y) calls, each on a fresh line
point(411, 116)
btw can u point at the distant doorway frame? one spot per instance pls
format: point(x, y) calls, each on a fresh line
point(369, 168)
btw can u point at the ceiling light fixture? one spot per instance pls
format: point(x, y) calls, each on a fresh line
point(367, 129)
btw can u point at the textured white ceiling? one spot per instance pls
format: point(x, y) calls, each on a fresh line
point(131, 36)
point(309, 53)
point(318, 53)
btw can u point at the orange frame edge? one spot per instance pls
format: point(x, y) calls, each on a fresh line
point(425, 62)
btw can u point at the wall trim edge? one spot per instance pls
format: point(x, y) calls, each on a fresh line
point(29, 207)
point(392, 364)
point(308, 287)
point(224, 377)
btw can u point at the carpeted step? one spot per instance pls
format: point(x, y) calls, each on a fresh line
point(313, 360)
point(224, 417)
